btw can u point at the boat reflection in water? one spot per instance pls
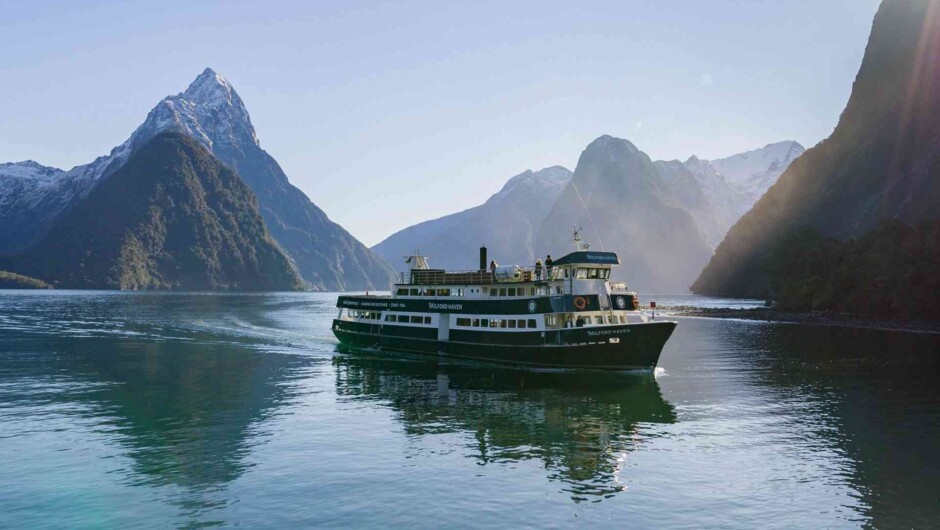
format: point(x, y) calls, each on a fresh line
point(579, 425)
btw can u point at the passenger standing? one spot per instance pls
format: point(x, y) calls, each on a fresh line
point(538, 269)
point(548, 267)
point(493, 266)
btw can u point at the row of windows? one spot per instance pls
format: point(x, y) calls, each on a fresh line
point(517, 291)
point(402, 291)
point(408, 319)
point(555, 320)
point(496, 323)
point(371, 315)
point(590, 274)
point(550, 320)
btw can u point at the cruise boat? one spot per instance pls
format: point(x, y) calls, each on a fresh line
point(569, 316)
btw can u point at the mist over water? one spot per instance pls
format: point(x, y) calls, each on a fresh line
point(155, 410)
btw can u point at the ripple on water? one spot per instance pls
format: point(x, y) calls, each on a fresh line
point(203, 409)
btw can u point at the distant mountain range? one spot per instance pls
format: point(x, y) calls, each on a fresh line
point(33, 197)
point(881, 163)
point(663, 217)
point(507, 223)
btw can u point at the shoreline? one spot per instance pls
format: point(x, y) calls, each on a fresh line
point(819, 318)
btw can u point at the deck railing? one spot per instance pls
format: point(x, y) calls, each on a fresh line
point(466, 277)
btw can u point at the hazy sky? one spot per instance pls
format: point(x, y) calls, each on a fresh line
point(389, 114)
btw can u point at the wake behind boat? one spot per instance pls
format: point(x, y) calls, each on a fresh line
point(568, 315)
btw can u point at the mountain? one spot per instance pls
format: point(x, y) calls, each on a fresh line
point(754, 172)
point(627, 205)
point(718, 192)
point(506, 223)
point(32, 196)
point(881, 162)
point(509, 221)
point(211, 112)
point(172, 217)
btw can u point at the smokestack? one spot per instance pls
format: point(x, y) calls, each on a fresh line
point(483, 263)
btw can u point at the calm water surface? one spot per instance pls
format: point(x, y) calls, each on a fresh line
point(156, 410)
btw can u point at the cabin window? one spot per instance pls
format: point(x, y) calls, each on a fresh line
point(502, 291)
point(414, 292)
point(532, 291)
point(443, 292)
point(521, 323)
point(493, 292)
point(567, 272)
point(429, 292)
point(476, 322)
point(558, 290)
point(581, 274)
point(427, 320)
point(502, 323)
point(512, 324)
point(623, 319)
point(512, 291)
point(592, 273)
point(463, 322)
point(403, 292)
point(484, 323)
point(417, 319)
point(550, 320)
point(606, 273)
point(494, 323)
point(532, 323)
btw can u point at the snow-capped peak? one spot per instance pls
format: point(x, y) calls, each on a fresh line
point(28, 169)
point(550, 177)
point(209, 110)
point(751, 169)
point(207, 87)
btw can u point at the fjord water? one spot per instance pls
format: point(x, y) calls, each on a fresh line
point(156, 410)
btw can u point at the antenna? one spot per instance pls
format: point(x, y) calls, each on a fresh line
point(578, 244)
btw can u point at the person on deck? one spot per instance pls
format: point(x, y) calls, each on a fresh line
point(548, 267)
point(493, 266)
point(538, 269)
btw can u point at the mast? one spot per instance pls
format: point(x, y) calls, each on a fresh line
point(579, 245)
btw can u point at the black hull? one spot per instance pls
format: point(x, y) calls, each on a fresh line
point(637, 346)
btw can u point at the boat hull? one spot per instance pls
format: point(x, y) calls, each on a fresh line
point(634, 346)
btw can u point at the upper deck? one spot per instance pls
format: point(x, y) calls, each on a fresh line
point(562, 268)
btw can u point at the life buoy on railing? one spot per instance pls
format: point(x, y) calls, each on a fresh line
point(580, 302)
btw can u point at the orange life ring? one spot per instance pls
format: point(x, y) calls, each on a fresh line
point(580, 302)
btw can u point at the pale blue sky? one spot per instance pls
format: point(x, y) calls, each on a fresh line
point(390, 114)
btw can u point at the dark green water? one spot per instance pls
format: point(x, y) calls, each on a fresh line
point(152, 410)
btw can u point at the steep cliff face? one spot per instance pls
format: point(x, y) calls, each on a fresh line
point(620, 198)
point(506, 223)
point(172, 217)
point(882, 161)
